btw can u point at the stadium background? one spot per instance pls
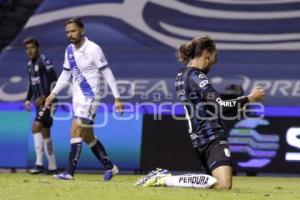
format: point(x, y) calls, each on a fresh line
point(258, 43)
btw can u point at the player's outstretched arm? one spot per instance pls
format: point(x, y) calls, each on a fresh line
point(257, 95)
point(201, 84)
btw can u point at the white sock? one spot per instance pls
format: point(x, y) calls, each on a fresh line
point(190, 181)
point(49, 150)
point(38, 145)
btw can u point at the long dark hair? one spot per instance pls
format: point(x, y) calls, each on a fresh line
point(194, 48)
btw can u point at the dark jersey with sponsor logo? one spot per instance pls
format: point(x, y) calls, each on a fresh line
point(203, 106)
point(42, 77)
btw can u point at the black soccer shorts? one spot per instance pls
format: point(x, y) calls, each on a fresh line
point(43, 115)
point(214, 154)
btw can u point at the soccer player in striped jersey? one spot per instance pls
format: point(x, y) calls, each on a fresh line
point(85, 61)
point(42, 77)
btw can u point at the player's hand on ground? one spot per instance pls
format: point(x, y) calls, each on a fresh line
point(119, 106)
point(27, 105)
point(49, 100)
point(257, 94)
point(40, 101)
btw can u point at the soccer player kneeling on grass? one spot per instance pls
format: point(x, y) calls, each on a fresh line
point(203, 108)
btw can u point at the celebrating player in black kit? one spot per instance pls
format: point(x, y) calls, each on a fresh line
point(41, 77)
point(204, 115)
point(204, 109)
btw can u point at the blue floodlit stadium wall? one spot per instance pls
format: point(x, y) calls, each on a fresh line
point(137, 141)
point(258, 43)
point(122, 138)
point(140, 38)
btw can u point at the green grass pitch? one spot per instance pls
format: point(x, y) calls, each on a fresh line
point(89, 187)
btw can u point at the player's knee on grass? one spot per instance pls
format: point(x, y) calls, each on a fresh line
point(222, 185)
point(223, 174)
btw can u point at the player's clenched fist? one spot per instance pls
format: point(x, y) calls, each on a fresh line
point(257, 94)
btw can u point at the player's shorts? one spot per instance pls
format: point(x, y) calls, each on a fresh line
point(43, 115)
point(214, 154)
point(85, 109)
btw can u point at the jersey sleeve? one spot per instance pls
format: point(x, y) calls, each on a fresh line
point(66, 65)
point(29, 86)
point(63, 79)
point(62, 82)
point(199, 82)
point(202, 86)
point(29, 91)
point(47, 62)
point(99, 58)
point(48, 74)
point(109, 77)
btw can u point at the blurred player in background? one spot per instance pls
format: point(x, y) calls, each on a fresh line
point(85, 61)
point(41, 77)
point(203, 108)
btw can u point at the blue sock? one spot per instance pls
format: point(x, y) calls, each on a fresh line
point(100, 153)
point(74, 156)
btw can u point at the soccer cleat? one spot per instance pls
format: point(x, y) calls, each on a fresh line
point(158, 179)
point(63, 176)
point(37, 170)
point(52, 172)
point(110, 173)
point(142, 180)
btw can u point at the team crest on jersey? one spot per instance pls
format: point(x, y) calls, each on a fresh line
point(227, 152)
point(36, 68)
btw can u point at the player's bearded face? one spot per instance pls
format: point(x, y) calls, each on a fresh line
point(74, 33)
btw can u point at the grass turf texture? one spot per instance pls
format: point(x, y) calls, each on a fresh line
point(24, 186)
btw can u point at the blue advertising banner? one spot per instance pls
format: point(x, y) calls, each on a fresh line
point(121, 136)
